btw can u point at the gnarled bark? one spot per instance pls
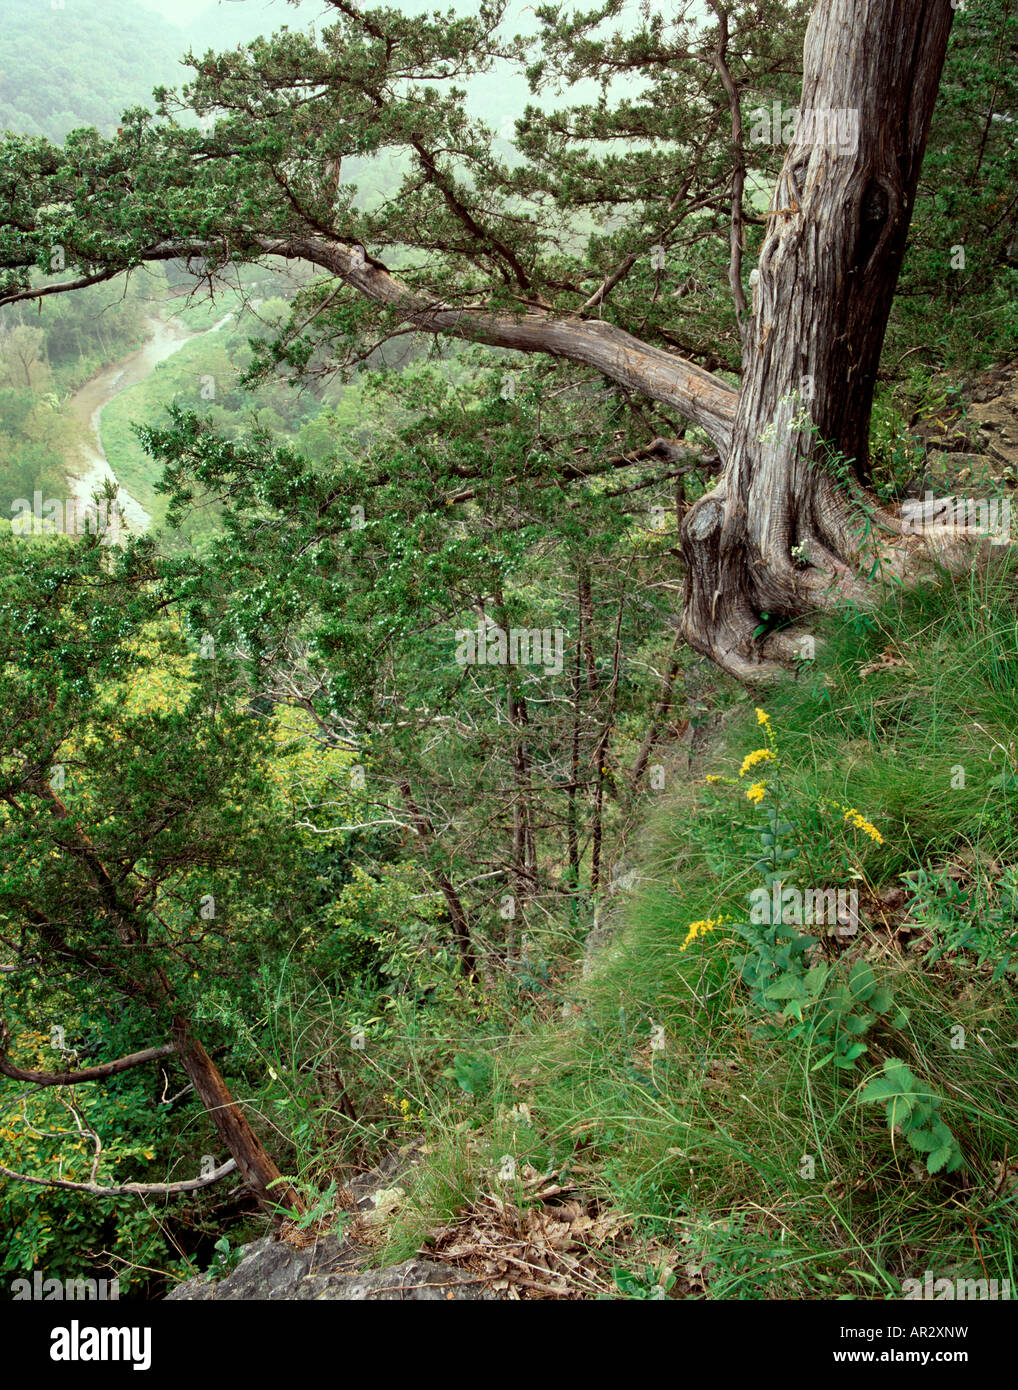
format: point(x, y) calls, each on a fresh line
point(821, 298)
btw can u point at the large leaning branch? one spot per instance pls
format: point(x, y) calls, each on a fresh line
point(700, 396)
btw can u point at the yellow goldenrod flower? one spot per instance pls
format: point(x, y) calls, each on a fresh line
point(711, 778)
point(701, 929)
point(758, 755)
point(864, 825)
point(756, 793)
point(762, 718)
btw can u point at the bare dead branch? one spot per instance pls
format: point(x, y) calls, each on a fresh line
point(127, 1189)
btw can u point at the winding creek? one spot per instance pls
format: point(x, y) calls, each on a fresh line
point(90, 468)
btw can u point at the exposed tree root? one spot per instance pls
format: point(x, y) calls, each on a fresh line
point(734, 590)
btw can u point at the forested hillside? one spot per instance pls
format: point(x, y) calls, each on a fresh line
point(525, 796)
point(80, 64)
point(84, 62)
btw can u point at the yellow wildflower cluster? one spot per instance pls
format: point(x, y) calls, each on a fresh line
point(403, 1109)
point(758, 790)
point(758, 755)
point(860, 823)
point(701, 929)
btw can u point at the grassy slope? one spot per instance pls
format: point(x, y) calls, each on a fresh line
point(178, 380)
point(704, 1143)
